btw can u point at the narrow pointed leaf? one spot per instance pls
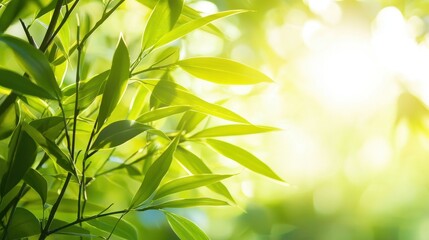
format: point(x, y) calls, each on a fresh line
point(155, 174)
point(162, 113)
point(122, 229)
point(187, 183)
point(189, 202)
point(11, 13)
point(35, 64)
point(170, 93)
point(184, 228)
point(73, 230)
point(232, 130)
point(196, 166)
point(222, 71)
point(118, 133)
point(35, 180)
point(24, 224)
point(163, 18)
point(192, 25)
point(116, 82)
point(22, 154)
point(190, 121)
point(50, 127)
point(243, 157)
point(52, 149)
point(22, 85)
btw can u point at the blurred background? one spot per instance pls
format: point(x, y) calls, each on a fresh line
point(351, 92)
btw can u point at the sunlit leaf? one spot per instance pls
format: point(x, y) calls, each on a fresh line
point(189, 202)
point(159, 58)
point(196, 166)
point(11, 13)
point(243, 157)
point(7, 121)
point(35, 180)
point(161, 113)
point(192, 25)
point(52, 149)
point(118, 133)
point(163, 17)
point(170, 93)
point(73, 230)
point(116, 82)
point(184, 228)
point(70, 206)
point(50, 127)
point(232, 130)
point(190, 120)
point(22, 153)
point(24, 224)
point(155, 174)
point(122, 229)
point(23, 85)
point(222, 71)
point(187, 183)
point(35, 64)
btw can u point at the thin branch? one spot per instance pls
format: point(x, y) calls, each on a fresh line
point(45, 42)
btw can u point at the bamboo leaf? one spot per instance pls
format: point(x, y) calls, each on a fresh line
point(184, 228)
point(24, 224)
point(11, 13)
point(232, 130)
point(50, 127)
point(243, 157)
point(187, 183)
point(22, 153)
point(196, 166)
point(22, 85)
point(189, 202)
point(118, 133)
point(192, 25)
point(73, 230)
point(170, 93)
point(155, 174)
point(53, 151)
point(163, 18)
point(122, 229)
point(222, 71)
point(162, 113)
point(116, 82)
point(35, 180)
point(35, 64)
point(190, 121)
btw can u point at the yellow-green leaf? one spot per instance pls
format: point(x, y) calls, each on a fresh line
point(184, 228)
point(35, 180)
point(243, 157)
point(24, 224)
point(232, 130)
point(155, 174)
point(189, 202)
point(116, 82)
point(187, 183)
point(161, 113)
point(222, 71)
point(120, 227)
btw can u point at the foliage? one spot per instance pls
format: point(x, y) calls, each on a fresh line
point(68, 138)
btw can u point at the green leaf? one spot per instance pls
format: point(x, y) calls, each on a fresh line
point(189, 202)
point(192, 25)
point(155, 174)
point(184, 228)
point(123, 228)
point(118, 133)
point(222, 71)
point(88, 91)
point(190, 121)
point(161, 21)
point(196, 166)
point(35, 64)
point(187, 183)
point(22, 153)
point(170, 93)
point(162, 113)
point(161, 57)
point(8, 117)
point(22, 85)
point(38, 183)
point(50, 127)
point(70, 206)
point(24, 224)
point(11, 13)
point(116, 82)
point(73, 230)
point(232, 130)
point(52, 149)
point(243, 157)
